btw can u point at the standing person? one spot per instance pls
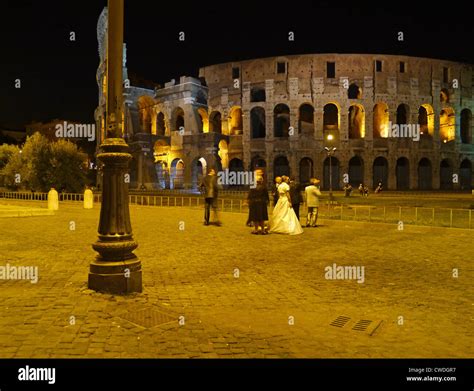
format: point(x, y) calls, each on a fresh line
point(210, 190)
point(258, 201)
point(312, 202)
point(361, 189)
point(295, 195)
point(275, 190)
point(347, 190)
point(284, 220)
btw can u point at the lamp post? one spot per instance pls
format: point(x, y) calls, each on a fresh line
point(116, 269)
point(330, 153)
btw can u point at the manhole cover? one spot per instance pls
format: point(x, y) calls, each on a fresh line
point(340, 321)
point(362, 325)
point(148, 318)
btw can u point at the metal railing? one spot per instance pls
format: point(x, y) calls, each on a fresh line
point(440, 217)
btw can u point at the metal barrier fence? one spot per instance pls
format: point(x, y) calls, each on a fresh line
point(440, 217)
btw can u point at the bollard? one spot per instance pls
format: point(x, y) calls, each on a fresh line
point(53, 200)
point(88, 199)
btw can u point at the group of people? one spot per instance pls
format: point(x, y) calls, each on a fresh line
point(286, 200)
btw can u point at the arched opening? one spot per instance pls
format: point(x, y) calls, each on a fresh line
point(178, 119)
point(356, 171)
point(160, 124)
point(403, 174)
point(177, 174)
point(466, 126)
point(331, 121)
point(257, 94)
point(444, 95)
point(199, 170)
point(403, 113)
point(237, 165)
point(201, 98)
point(281, 166)
point(223, 154)
point(306, 119)
point(447, 128)
point(203, 120)
point(380, 172)
point(161, 152)
point(281, 120)
point(215, 122)
point(257, 122)
point(145, 113)
point(334, 172)
point(354, 92)
point(426, 120)
point(306, 170)
point(235, 121)
point(424, 175)
point(257, 163)
point(446, 175)
point(356, 121)
point(381, 120)
point(465, 175)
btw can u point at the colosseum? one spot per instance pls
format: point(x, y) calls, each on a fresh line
point(281, 113)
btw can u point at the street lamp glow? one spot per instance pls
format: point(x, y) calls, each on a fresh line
point(330, 137)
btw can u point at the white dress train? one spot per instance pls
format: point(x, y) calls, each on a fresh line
point(284, 220)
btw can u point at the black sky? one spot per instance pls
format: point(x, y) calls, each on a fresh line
point(58, 76)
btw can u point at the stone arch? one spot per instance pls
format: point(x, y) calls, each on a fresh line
point(235, 121)
point(331, 120)
point(215, 122)
point(403, 173)
point(403, 114)
point(203, 120)
point(145, 113)
point(465, 175)
point(335, 168)
point(356, 171)
point(356, 121)
point(281, 120)
point(160, 124)
point(426, 120)
point(466, 126)
point(257, 122)
point(446, 170)
point(380, 172)
point(306, 170)
point(381, 118)
point(306, 119)
point(199, 170)
point(281, 166)
point(257, 163)
point(223, 154)
point(177, 174)
point(354, 92)
point(447, 125)
point(177, 119)
point(425, 179)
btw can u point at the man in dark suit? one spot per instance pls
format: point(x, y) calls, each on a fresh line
point(209, 188)
point(295, 195)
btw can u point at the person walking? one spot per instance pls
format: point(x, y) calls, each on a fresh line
point(258, 201)
point(210, 190)
point(312, 193)
point(275, 190)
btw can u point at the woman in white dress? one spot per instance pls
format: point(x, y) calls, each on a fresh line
point(284, 220)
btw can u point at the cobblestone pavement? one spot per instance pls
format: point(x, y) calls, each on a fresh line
point(238, 295)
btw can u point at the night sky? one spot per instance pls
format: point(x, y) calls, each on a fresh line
point(58, 76)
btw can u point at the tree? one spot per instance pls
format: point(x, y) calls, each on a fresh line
point(43, 164)
point(6, 152)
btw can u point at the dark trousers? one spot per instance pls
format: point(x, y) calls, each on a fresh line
point(210, 203)
point(296, 208)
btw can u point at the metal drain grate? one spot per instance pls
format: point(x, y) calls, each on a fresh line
point(148, 318)
point(340, 321)
point(362, 325)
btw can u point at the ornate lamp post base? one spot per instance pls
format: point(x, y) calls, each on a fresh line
point(116, 269)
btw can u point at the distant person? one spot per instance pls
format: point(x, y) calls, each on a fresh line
point(366, 191)
point(275, 190)
point(379, 188)
point(210, 190)
point(347, 190)
point(312, 193)
point(361, 189)
point(258, 201)
point(295, 195)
